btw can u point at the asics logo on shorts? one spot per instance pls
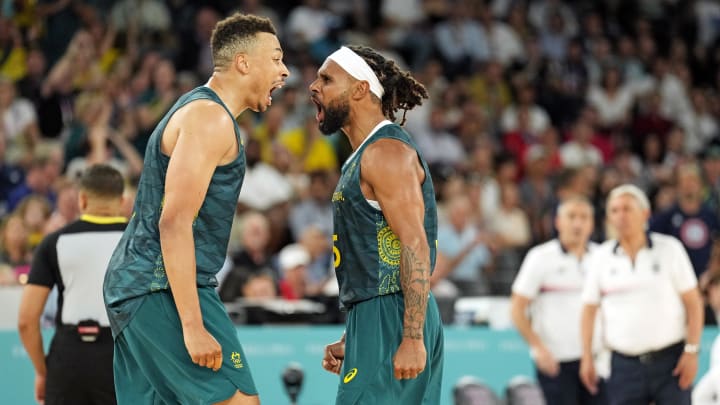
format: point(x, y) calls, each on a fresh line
point(350, 375)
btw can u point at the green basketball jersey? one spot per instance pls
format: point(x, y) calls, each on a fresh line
point(367, 251)
point(136, 267)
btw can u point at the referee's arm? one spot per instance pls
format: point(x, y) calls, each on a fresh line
point(41, 279)
point(32, 304)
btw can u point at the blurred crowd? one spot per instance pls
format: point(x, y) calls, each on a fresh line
point(530, 101)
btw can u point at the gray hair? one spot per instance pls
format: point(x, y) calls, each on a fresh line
point(633, 191)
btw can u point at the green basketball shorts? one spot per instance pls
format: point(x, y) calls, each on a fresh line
point(152, 365)
point(372, 336)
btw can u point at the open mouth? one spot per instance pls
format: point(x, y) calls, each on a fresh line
point(320, 114)
point(275, 87)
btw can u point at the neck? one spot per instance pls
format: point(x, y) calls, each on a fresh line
point(573, 247)
point(632, 244)
point(689, 205)
point(223, 86)
point(103, 209)
point(360, 123)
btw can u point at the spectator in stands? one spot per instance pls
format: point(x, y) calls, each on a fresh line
point(15, 251)
point(525, 100)
point(464, 256)
point(537, 193)
point(35, 211)
point(438, 145)
point(293, 260)
point(316, 209)
point(461, 41)
point(11, 176)
point(309, 149)
point(699, 123)
point(99, 141)
point(252, 258)
point(155, 102)
point(546, 305)
point(79, 366)
point(579, 151)
point(690, 220)
point(195, 55)
point(19, 120)
point(259, 286)
point(510, 230)
point(320, 269)
point(37, 181)
point(613, 99)
point(654, 345)
point(66, 208)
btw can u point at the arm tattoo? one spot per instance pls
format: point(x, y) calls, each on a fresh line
point(415, 284)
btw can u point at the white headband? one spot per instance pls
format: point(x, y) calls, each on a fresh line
point(357, 68)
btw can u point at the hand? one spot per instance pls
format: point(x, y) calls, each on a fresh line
point(410, 359)
point(334, 355)
point(587, 374)
point(40, 389)
point(686, 369)
point(204, 350)
point(545, 361)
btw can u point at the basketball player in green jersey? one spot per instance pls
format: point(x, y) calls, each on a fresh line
point(385, 221)
point(174, 342)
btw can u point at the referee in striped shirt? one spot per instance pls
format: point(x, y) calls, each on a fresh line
point(78, 367)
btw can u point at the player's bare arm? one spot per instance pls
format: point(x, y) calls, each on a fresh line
point(392, 175)
point(206, 140)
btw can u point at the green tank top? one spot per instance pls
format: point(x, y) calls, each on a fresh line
point(136, 267)
point(367, 251)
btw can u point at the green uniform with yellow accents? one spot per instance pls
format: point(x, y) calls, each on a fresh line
point(367, 264)
point(151, 364)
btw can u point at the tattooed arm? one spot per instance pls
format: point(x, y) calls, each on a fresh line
point(392, 175)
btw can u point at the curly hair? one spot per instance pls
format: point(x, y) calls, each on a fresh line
point(402, 91)
point(236, 34)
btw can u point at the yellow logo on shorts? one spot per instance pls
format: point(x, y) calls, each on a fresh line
point(350, 375)
point(235, 358)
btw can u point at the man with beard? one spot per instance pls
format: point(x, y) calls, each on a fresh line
point(174, 342)
point(385, 235)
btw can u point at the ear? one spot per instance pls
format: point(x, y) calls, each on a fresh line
point(241, 63)
point(359, 89)
point(82, 200)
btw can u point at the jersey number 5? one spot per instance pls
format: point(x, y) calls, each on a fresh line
point(336, 251)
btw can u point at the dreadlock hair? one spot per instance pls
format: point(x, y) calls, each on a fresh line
point(402, 91)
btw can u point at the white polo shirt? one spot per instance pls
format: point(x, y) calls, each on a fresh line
point(553, 280)
point(641, 304)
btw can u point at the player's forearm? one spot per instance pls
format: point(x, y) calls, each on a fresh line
point(415, 284)
point(31, 338)
point(587, 328)
point(178, 249)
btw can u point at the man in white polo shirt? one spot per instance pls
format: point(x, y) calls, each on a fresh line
point(652, 309)
point(550, 283)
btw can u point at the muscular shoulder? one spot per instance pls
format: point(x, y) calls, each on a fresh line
point(205, 114)
point(390, 155)
point(206, 122)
